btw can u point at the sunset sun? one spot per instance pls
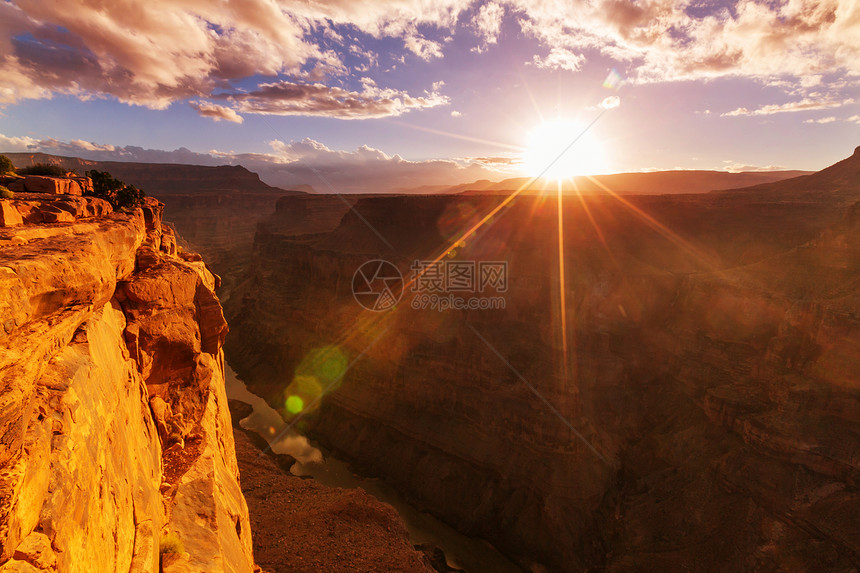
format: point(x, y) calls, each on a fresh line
point(560, 149)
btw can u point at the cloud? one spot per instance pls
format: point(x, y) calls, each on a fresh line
point(488, 24)
point(423, 48)
point(456, 113)
point(216, 112)
point(807, 104)
point(561, 59)
point(735, 167)
point(18, 143)
point(157, 52)
point(610, 102)
point(289, 98)
point(671, 40)
point(364, 169)
point(830, 119)
point(501, 164)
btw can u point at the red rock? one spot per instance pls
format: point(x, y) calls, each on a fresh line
point(51, 185)
point(168, 240)
point(82, 466)
point(52, 214)
point(9, 215)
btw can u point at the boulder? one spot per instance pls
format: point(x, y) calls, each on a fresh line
point(52, 214)
point(52, 185)
point(9, 215)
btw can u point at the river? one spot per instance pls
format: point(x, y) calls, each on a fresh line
point(473, 555)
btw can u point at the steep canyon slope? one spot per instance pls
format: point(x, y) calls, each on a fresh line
point(114, 424)
point(688, 401)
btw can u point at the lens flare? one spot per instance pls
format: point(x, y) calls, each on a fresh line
point(295, 404)
point(318, 373)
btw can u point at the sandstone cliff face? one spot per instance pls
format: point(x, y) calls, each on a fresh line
point(113, 419)
point(712, 363)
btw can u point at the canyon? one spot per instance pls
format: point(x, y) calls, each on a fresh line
point(119, 451)
point(687, 400)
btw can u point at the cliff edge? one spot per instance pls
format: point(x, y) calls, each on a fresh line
point(116, 447)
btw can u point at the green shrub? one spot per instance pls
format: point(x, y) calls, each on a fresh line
point(171, 543)
point(43, 169)
point(114, 191)
point(6, 165)
point(6, 193)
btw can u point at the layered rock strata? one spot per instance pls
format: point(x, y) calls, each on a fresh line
point(114, 425)
point(705, 375)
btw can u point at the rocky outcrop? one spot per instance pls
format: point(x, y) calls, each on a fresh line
point(34, 208)
point(698, 412)
point(113, 419)
point(52, 185)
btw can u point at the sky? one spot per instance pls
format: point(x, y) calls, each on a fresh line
point(375, 95)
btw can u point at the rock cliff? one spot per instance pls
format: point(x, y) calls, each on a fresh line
point(705, 383)
point(114, 428)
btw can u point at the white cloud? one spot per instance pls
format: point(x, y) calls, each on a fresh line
point(661, 41)
point(364, 169)
point(488, 24)
point(830, 119)
point(18, 143)
point(808, 104)
point(560, 58)
point(610, 102)
point(735, 167)
point(423, 48)
point(456, 113)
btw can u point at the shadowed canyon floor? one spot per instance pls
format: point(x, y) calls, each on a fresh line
point(301, 526)
point(705, 363)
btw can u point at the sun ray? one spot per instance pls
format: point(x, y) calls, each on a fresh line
point(518, 148)
point(602, 238)
point(472, 230)
point(562, 286)
point(701, 258)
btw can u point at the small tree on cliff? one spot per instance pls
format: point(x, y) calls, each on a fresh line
point(115, 191)
point(6, 165)
point(43, 169)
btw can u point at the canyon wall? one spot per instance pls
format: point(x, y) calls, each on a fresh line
point(694, 406)
point(114, 425)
